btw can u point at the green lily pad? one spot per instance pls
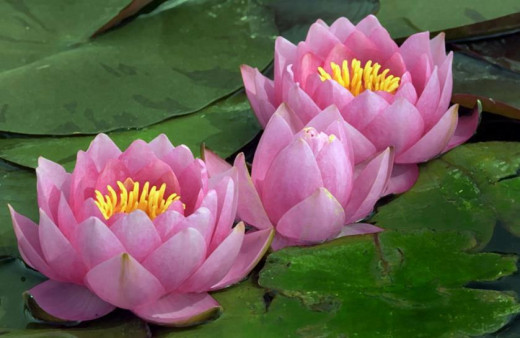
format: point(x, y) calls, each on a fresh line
point(293, 19)
point(18, 188)
point(475, 185)
point(406, 284)
point(405, 17)
point(171, 62)
point(224, 127)
point(476, 79)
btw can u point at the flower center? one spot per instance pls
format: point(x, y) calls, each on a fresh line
point(357, 79)
point(131, 198)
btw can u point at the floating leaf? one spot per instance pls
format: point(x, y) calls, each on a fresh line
point(502, 25)
point(402, 285)
point(293, 20)
point(405, 17)
point(224, 127)
point(475, 185)
point(171, 62)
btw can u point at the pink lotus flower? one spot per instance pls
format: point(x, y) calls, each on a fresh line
point(395, 96)
point(304, 181)
point(144, 230)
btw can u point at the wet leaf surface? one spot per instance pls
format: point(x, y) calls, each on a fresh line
point(475, 186)
point(407, 284)
point(224, 127)
point(405, 17)
point(170, 62)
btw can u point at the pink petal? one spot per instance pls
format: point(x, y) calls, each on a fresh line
point(303, 105)
point(363, 47)
point(371, 27)
point(58, 252)
point(214, 164)
point(26, 232)
point(83, 182)
point(137, 234)
point(66, 220)
point(284, 55)
point(306, 65)
point(438, 48)
point(70, 302)
point(395, 64)
point(227, 192)
point(113, 171)
point(336, 169)
point(253, 248)
point(445, 72)
point(434, 141)
point(361, 146)
point(101, 150)
point(178, 159)
point(363, 109)
point(203, 221)
point(403, 178)
point(320, 40)
point(258, 88)
point(280, 242)
point(250, 208)
point(89, 209)
point(161, 146)
point(193, 182)
point(282, 187)
point(137, 156)
point(369, 186)
point(180, 309)
point(400, 126)
point(315, 219)
point(421, 72)
point(415, 47)
point(177, 258)
point(123, 282)
point(407, 92)
point(277, 135)
point(95, 242)
point(51, 174)
point(342, 28)
point(337, 54)
point(359, 229)
point(331, 92)
point(167, 224)
point(217, 265)
point(429, 100)
point(325, 118)
point(466, 127)
point(156, 173)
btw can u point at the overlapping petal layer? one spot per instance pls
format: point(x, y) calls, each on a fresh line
point(351, 67)
point(145, 229)
point(304, 181)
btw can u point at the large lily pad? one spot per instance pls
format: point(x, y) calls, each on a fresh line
point(405, 17)
point(398, 285)
point(224, 127)
point(170, 62)
point(475, 186)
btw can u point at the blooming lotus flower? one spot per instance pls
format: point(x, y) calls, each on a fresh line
point(395, 96)
point(143, 230)
point(304, 182)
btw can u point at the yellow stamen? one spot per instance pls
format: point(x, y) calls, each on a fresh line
point(150, 200)
point(357, 79)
